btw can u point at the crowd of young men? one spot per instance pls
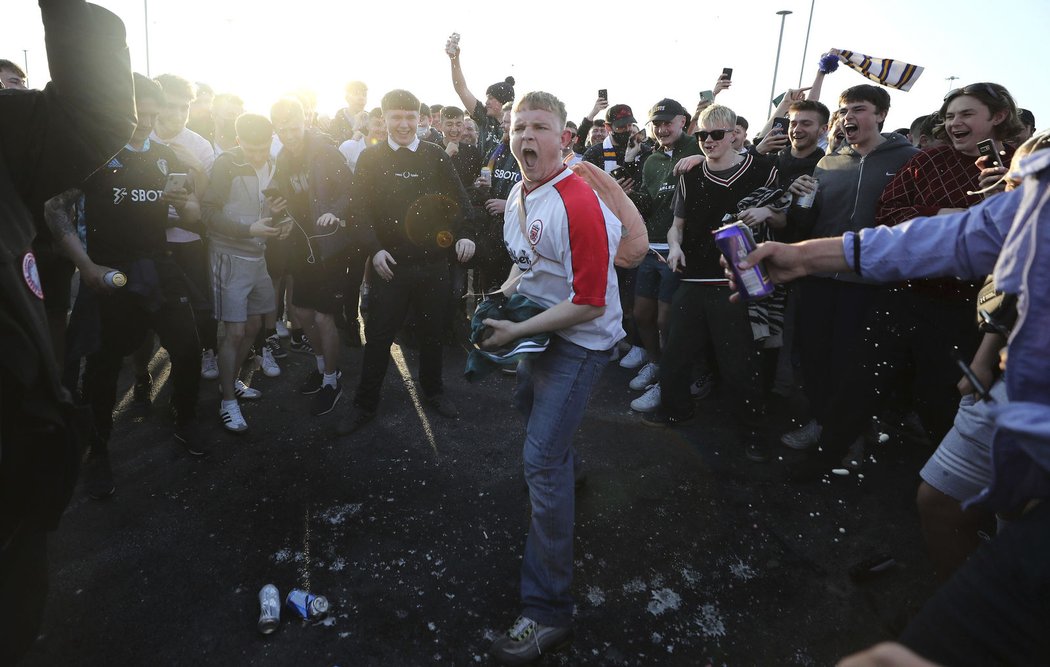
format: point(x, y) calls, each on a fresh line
point(210, 239)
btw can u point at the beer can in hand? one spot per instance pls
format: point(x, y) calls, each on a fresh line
point(806, 201)
point(115, 278)
point(270, 609)
point(736, 242)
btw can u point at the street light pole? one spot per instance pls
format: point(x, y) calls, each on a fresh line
point(805, 49)
point(25, 62)
point(145, 12)
point(776, 67)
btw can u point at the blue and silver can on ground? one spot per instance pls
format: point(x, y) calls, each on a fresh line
point(736, 242)
point(307, 605)
point(269, 609)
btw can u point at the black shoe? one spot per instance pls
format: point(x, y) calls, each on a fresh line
point(98, 476)
point(527, 640)
point(326, 398)
point(141, 397)
point(301, 344)
point(273, 343)
point(314, 381)
point(442, 405)
point(661, 419)
point(188, 434)
point(353, 335)
point(354, 421)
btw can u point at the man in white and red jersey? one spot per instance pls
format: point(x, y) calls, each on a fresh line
point(562, 239)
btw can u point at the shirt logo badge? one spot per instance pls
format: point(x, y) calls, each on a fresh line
point(162, 164)
point(114, 164)
point(535, 231)
point(31, 275)
point(406, 175)
point(118, 195)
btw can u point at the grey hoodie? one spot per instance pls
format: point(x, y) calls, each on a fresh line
point(850, 186)
point(231, 205)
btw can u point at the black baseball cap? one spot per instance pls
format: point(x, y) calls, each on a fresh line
point(667, 109)
point(619, 116)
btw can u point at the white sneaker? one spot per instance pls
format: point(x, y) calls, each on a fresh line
point(635, 358)
point(649, 374)
point(649, 401)
point(803, 438)
point(241, 390)
point(268, 364)
point(209, 366)
point(282, 329)
point(232, 419)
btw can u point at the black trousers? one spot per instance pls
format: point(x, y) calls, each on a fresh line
point(423, 289)
point(124, 319)
point(906, 335)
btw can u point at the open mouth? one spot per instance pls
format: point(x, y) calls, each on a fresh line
point(529, 157)
point(850, 129)
point(960, 135)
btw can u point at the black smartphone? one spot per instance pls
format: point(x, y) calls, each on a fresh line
point(272, 192)
point(603, 94)
point(779, 123)
point(727, 73)
point(989, 149)
point(629, 170)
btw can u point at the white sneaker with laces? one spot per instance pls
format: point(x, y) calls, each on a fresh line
point(241, 390)
point(649, 374)
point(232, 419)
point(649, 401)
point(268, 364)
point(209, 365)
point(282, 330)
point(803, 438)
point(635, 358)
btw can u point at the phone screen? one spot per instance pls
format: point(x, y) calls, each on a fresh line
point(727, 73)
point(603, 93)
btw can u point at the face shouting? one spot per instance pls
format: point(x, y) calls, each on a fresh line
point(535, 141)
point(401, 125)
point(860, 123)
point(968, 121)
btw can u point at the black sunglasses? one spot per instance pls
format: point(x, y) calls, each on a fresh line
point(717, 135)
point(985, 88)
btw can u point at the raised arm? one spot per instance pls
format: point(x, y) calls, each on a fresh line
point(458, 81)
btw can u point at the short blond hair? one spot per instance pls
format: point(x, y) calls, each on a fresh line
point(541, 101)
point(719, 115)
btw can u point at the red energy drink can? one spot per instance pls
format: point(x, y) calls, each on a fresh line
point(736, 242)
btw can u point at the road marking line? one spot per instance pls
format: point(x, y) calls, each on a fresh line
point(406, 377)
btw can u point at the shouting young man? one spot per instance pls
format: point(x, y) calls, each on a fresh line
point(563, 240)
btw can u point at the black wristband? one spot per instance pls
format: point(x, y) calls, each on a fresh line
point(856, 253)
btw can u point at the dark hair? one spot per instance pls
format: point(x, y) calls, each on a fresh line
point(375, 113)
point(176, 85)
point(451, 112)
point(598, 122)
point(435, 109)
point(868, 93)
point(742, 122)
point(916, 125)
point(7, 64)
point(1027, 118)
point(399, 99)
point(254, 128)
point(997, 98)
point(146, 88)
point(503, 90)
point(811, 105)
point(571, 125)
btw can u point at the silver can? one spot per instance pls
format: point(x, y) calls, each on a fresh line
point(806, 201)
point(269, 609)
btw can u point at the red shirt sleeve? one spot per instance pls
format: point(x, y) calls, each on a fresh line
point(588, 242)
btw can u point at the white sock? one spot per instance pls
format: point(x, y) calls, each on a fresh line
point(226, 405)
point(320, 362)
point(330, 379)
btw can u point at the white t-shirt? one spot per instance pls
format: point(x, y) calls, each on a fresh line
point(200, 148)
point(569, 252)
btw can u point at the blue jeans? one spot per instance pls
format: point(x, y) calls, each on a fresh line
point(553, 390)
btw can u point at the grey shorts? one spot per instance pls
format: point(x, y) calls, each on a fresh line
point(962, 465)
point(241, 287)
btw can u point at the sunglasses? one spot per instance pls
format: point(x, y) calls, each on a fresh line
point(985, 88)
point(717, 135)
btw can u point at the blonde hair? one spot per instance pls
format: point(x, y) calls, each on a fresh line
point(719, 115)
point(541, 101)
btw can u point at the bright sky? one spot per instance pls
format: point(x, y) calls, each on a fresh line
point(261, 48)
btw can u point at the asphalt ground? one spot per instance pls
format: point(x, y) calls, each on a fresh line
point(686, 552)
